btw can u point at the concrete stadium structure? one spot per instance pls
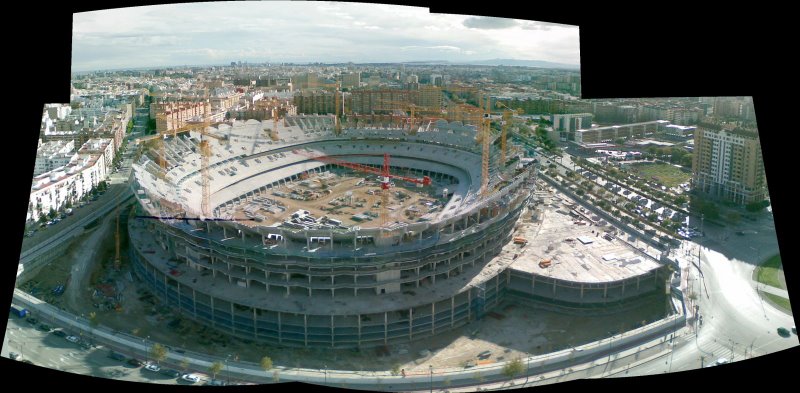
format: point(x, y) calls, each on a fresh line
point(322, 285)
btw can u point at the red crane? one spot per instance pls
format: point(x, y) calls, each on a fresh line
point(383, 173)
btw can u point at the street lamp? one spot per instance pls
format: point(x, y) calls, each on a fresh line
point(326, 373)
point(146, 356)
point(430, 366)
point(228, 370)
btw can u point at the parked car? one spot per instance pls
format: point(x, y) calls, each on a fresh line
point(783, 332)
point(116, 356)
point(170, 372)
point(152, 367)
point(44, 327)
point(193, 378)
point(59, 333)
point(72, 339)
point(134, 362)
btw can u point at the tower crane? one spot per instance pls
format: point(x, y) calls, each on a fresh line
point(508, 114)
point(383, 172)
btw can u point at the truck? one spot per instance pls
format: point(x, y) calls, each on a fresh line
point(19, 311)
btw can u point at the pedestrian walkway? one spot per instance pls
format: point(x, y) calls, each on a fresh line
point(773, 290)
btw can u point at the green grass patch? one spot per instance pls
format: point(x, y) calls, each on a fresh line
point(770, 272)
point(665, 174)
point(781, 303)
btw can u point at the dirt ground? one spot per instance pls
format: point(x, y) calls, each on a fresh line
point(512, 329)
point(327, 196)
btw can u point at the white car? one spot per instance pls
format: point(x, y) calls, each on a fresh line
point(72, 339)
point(152, 367)
point(190, 378)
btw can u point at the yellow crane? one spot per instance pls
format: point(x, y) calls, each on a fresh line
point(508, 115)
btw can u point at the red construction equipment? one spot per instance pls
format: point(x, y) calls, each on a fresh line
point(383, 173)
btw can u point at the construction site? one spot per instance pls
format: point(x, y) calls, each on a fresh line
point(317, 238)
point(335, 198)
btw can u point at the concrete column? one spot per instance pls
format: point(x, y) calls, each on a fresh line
point(637, 282)
point(385, 328)
point(452, 311)
point(213, 321)
point(433, 318)
point(581, 290)
point(533, 282)
point(255, 324)
point(305, 328)
point(332, 335)
point(166, 288)
point(623, 287)
point(242, 236)
point(233, 320)
point(224, 233)
point(554, 286)
point(359, 329)
point(410, 322)
point(194, 303)
point(508, 277)
point(469, 305)
point(280, 329)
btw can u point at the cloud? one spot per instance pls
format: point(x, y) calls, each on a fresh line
point(488, 22)
point(544, 26)
point(203, 33)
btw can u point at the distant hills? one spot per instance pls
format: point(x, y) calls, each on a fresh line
point(505, 62)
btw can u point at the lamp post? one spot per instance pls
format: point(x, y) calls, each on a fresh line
point(430, 366)
point(326, 374)
point(146, 356)
point(228, 370)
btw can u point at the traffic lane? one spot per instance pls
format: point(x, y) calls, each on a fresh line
point(50, 351)
point(43, 235)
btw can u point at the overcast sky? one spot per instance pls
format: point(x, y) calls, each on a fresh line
point(218, 33)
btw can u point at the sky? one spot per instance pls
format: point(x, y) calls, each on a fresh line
point(300, 32)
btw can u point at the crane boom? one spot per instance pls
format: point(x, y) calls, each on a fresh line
point(384, 171)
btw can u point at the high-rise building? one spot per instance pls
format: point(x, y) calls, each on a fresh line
point(728, 164)
point(571, 122)
point(352, 79)
point(315, 102)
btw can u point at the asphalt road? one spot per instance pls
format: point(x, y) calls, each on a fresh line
point(48, 350)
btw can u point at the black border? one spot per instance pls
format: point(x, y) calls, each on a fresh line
point(627, 50)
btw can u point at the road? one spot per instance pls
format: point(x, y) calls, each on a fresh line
point(118, 190)
point(48, 350)
point(737, 324)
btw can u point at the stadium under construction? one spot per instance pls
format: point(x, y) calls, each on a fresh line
point(358, 238)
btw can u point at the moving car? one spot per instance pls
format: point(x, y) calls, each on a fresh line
point(72, 339)
point(783, 332)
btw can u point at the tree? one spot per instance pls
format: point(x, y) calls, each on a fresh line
point(184, 364)
point(396, 369)
point(266, 363)
point(215, 368)
point(513, 368)
point(680, 200)
point(92, 323)
point(158, 352)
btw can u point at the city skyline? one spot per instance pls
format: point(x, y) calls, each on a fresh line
point(204, 33)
